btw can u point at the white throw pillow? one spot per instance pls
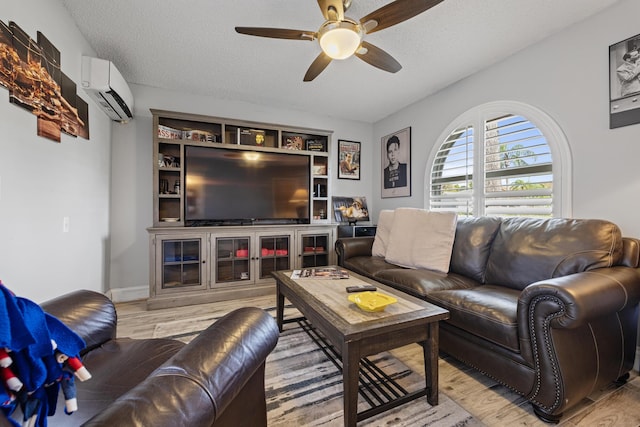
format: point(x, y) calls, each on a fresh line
point(422, 239)
point(381, 241)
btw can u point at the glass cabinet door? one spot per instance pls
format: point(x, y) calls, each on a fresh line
point(181, 263)
point(274, 255)
point(233, 255)
point(315, 251)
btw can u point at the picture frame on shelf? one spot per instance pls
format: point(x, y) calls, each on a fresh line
point(624, 84)
point(320, 169)
point(294, 142)
point(348, 159)
point(317, 145)
point(350, 209)
point(396, 164)
point(252, 137)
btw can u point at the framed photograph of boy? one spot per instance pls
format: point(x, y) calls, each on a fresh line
point(348, 159)
point(624, 82)
point(396, 164)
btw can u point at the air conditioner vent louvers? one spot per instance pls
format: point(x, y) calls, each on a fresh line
point(121, 103)
point(105, 85)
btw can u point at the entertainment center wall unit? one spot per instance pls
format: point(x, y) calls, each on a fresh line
point(233, 201)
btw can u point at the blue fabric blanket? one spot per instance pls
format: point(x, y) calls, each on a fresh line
point(38, 355)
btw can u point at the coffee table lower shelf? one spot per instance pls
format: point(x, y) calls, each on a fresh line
point(376, 387)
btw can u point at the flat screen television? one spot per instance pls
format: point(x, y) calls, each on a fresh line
point(230, 187)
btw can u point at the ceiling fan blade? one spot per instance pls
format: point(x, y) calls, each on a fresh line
point(317, 66)
point(277, 33)
point(395, 13)
point(377, 57)
point(332, 10)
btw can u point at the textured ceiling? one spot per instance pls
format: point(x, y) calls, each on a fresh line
point(191, 46)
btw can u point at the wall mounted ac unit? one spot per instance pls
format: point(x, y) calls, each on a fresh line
point(104, 84)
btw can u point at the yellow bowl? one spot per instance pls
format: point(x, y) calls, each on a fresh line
point(372, 301)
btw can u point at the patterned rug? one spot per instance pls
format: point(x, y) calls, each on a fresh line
point(304, 386)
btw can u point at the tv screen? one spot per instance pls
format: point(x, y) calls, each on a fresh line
point(236, 186)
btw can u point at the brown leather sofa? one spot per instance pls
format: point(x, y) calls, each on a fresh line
point(547, 307)
point(215, 380)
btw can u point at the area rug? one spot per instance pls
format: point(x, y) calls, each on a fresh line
point(304, 386)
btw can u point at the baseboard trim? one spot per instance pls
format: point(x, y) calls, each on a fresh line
point(208, 296)
point(128, 294)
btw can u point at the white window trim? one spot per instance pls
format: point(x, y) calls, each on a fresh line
point(556, 139)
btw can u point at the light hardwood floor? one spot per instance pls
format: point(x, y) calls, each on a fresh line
point(491, 403)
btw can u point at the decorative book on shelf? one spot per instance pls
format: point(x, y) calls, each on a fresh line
point(329, 273)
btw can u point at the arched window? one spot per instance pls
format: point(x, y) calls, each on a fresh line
point(501, 159)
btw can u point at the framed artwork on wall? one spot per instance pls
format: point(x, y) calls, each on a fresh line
point(348, 159)
point(396, 164)
point(624, 82)
point(51, 96)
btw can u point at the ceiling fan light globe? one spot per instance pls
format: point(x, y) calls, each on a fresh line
point(340, 40)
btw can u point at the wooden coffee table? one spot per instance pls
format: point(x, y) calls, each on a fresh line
point(356, 334)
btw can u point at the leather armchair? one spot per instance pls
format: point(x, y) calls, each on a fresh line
point(162, 382)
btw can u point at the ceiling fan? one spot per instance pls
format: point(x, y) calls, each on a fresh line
point(341, 37)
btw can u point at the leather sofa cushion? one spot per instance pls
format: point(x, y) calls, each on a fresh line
point(490, 312)
point(422, 283)
point(527, 250)
point(472, 245)
point(116, 367)
point(368, 265)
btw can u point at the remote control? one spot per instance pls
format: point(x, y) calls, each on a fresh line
point(361, 288)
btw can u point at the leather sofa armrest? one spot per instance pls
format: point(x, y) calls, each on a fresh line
point(90, 314)
point(567, 333)
point(630, 252)
point(196, 385)
point(349, 247)
point(580, 298)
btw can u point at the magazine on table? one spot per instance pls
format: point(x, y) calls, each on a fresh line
point(320, 273)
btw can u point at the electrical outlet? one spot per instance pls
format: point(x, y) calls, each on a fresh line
point(65, 224)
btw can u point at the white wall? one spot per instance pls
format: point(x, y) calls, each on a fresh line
point(42, 181)
point(567, 76)
point(132, 171)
